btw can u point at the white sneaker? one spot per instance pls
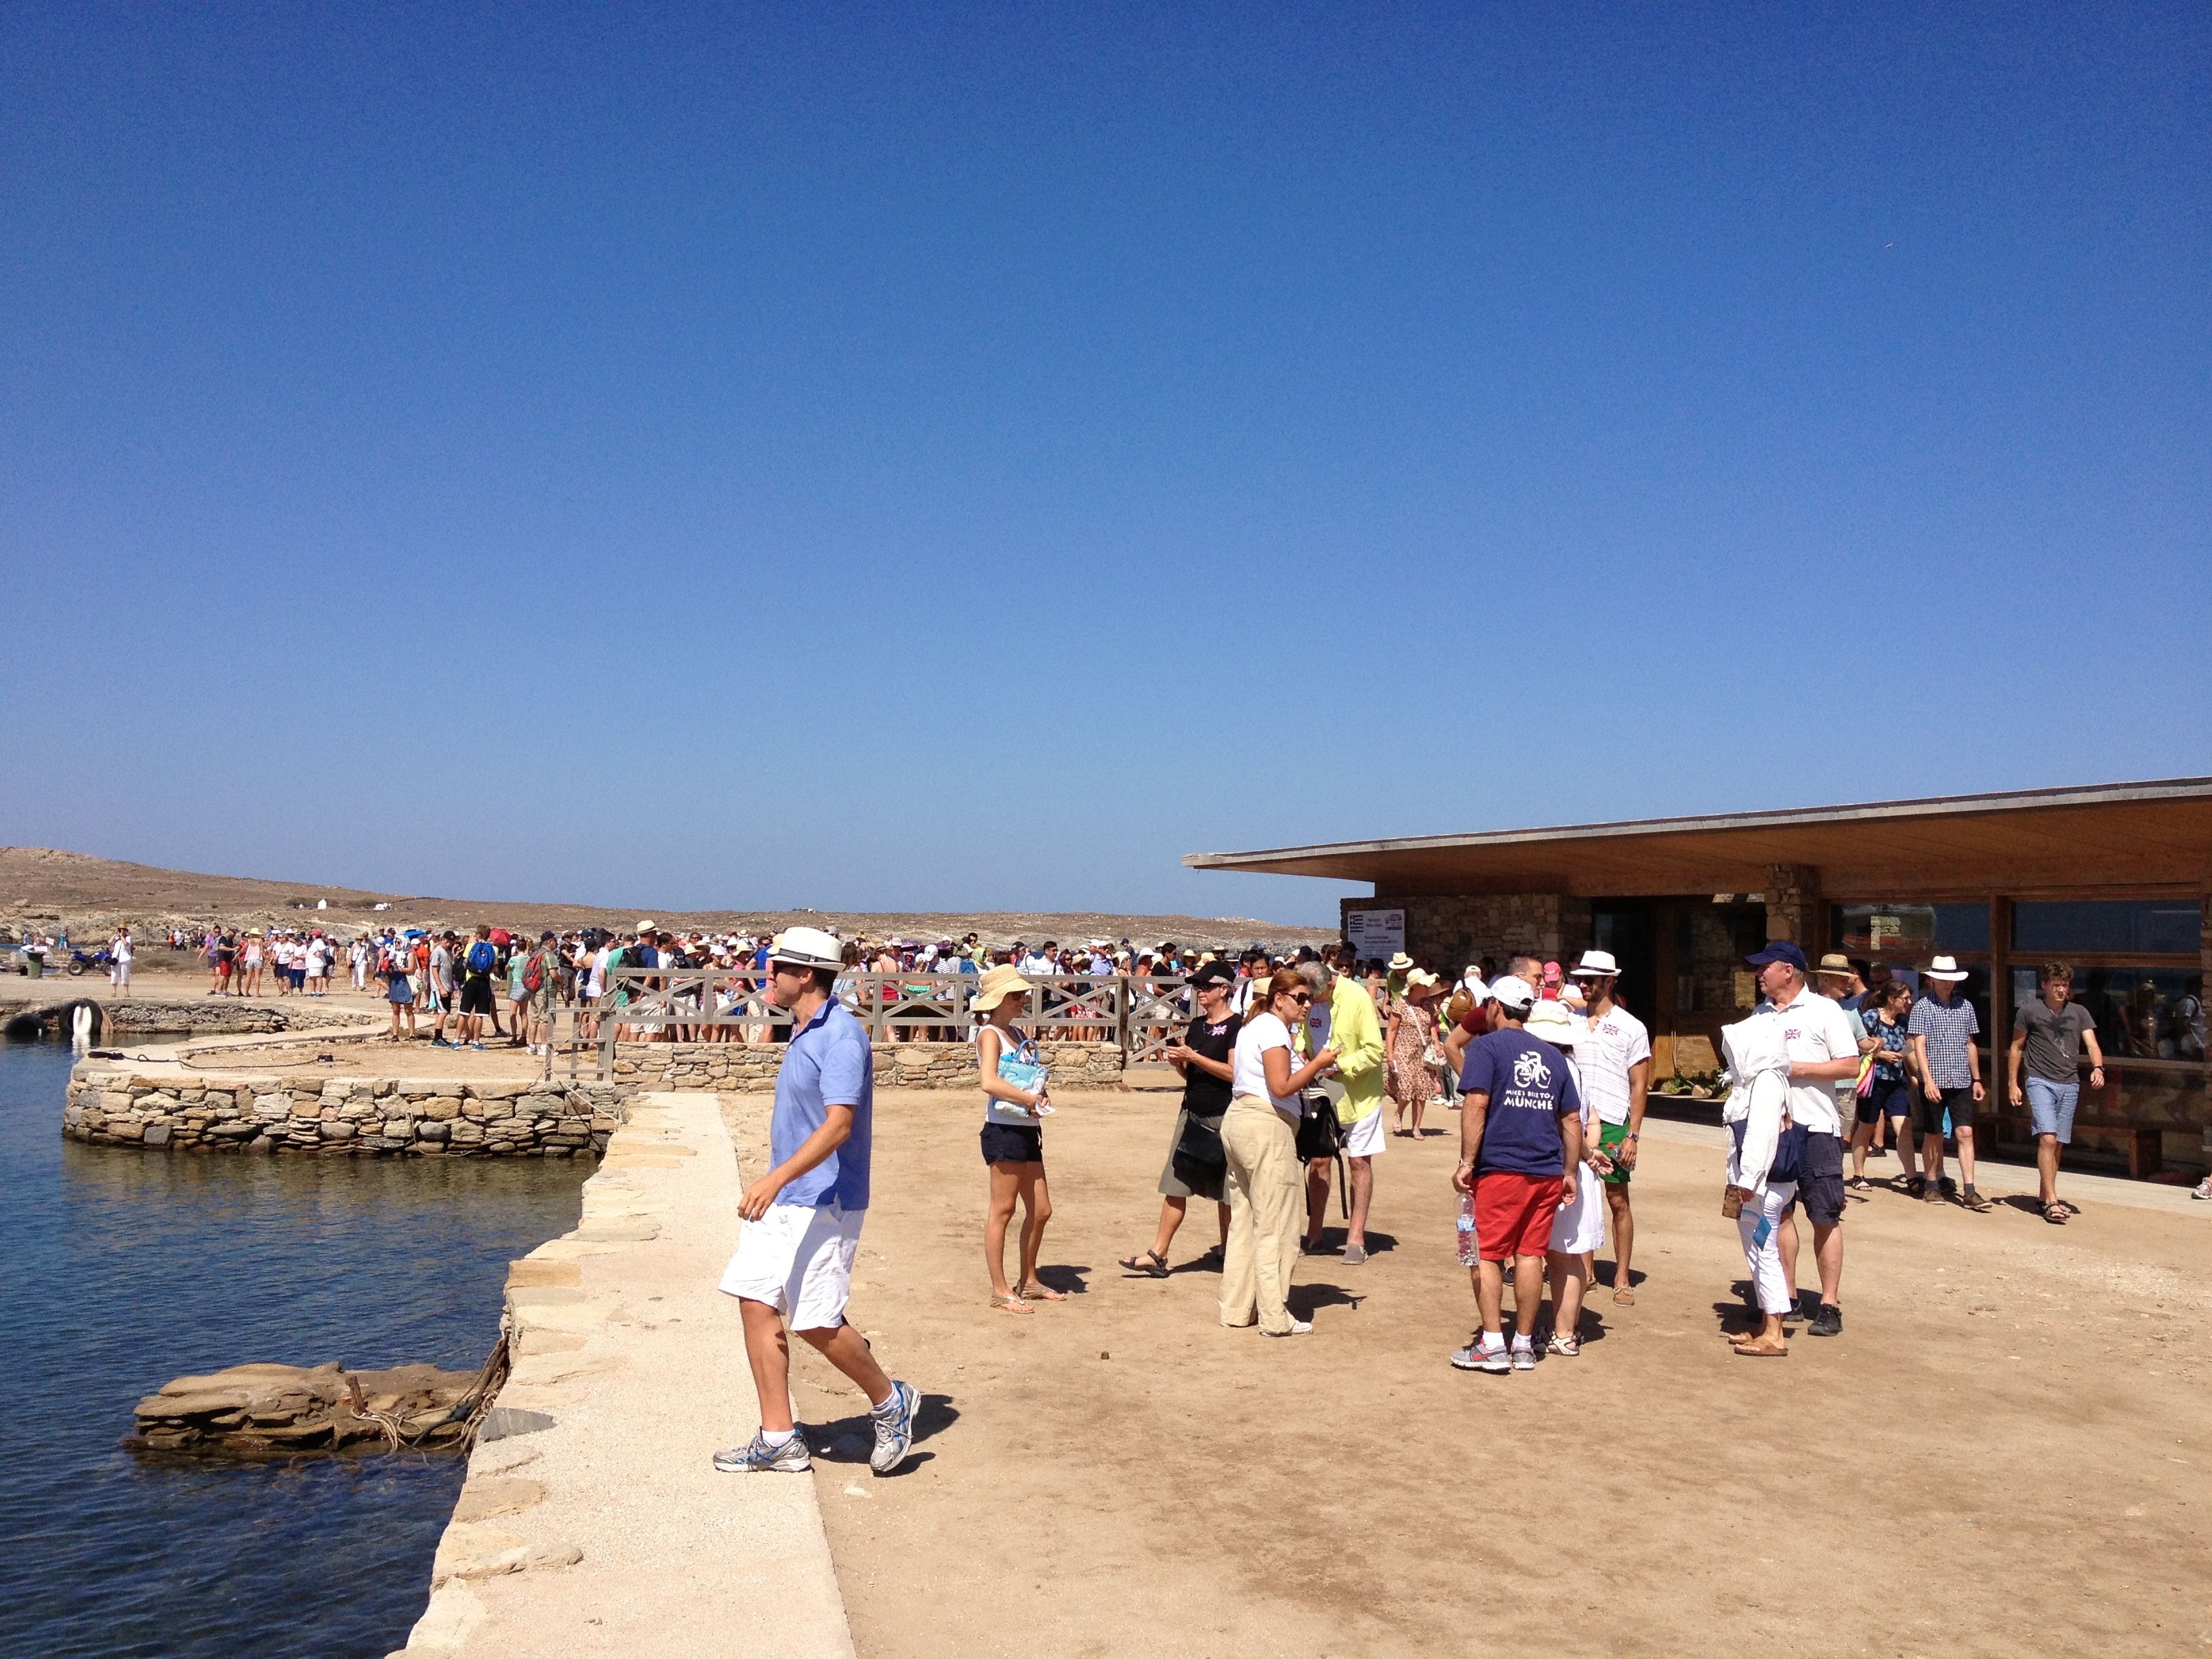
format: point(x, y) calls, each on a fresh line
point(1299, 1328)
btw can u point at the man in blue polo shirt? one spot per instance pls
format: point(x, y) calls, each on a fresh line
point(802, 1219)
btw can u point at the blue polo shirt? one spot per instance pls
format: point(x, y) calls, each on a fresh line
point(827, 1063)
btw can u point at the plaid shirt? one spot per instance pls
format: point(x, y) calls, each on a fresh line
point(1950, 1029)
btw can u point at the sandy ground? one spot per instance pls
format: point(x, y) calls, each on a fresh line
point(2004, 1450)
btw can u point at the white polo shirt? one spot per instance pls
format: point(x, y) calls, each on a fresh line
point(1814, 1030)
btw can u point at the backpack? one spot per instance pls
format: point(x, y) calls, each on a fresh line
point(533, 973)
point(481, 957)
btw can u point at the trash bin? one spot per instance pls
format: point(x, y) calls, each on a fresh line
point(34, 965)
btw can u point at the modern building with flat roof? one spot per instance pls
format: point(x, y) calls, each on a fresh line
point(2115, 879)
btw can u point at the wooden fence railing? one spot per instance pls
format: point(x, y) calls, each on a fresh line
point(1139, 1014)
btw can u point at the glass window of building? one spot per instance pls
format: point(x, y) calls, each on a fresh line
point(1910, 933)
point(2142, 1013)
point(2107, 926)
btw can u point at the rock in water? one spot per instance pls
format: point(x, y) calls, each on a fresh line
point(259, 1410)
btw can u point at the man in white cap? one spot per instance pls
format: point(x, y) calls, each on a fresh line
point(802, 1219)
point(1615, 1061)
point(1940, 1033)
point(1520, 1147)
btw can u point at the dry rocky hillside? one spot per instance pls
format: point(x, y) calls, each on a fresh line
point(46, 889)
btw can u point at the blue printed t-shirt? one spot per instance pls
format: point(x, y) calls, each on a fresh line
point(1529, 1091)
point(827, 1064)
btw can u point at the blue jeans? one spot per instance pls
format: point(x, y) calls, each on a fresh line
point(2050, 1105)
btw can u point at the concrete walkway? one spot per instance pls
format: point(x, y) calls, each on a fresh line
point(595, 1523)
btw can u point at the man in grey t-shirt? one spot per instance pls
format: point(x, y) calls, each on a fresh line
point(2048, 1036)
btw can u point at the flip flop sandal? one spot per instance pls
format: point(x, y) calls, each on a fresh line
point(1150, 1263)
point(1039, 1291)
point(1012, 1304)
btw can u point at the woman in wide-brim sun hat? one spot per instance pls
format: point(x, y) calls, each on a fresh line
point(1409, 1040)
point(1012, 1138)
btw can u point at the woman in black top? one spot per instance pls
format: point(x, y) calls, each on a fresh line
point(1203, 1057)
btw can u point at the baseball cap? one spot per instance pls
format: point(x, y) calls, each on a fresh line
point(1512, 992)
point(1781, 950)
point(1212, 973)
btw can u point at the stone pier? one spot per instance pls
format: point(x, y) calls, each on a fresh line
point(592, 1521)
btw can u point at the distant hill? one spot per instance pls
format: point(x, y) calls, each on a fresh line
point(44, 888)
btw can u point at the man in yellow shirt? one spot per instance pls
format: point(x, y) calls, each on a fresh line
point(1356, 1034)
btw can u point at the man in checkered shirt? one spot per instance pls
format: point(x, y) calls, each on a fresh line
point(1940, 1035)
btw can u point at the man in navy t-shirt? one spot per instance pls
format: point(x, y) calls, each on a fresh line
point(1521, 1142)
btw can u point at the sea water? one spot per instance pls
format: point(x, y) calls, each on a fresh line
point(123, 1269)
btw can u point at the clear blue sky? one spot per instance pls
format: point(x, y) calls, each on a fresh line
point(887, 456)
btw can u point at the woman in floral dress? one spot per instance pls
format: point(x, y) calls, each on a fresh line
point(1410, 1041)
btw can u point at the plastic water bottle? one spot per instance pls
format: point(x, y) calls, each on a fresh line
point(1468, 1251)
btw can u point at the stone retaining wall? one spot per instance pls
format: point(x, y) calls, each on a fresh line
point(748, 1067)
point(378, 1116)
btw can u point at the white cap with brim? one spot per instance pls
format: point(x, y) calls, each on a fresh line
point(1513, 992)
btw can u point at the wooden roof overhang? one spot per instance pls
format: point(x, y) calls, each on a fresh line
point(2138, 836)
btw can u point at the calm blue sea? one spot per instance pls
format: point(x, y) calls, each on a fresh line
point(123, 1269)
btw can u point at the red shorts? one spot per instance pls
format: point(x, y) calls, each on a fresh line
point(1513, 1214)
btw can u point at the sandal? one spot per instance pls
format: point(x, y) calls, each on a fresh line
point(1150, 1263)
point(2055, 1213)
point(1623, 1298)
point(1009, 1304)
point(1037, 1291)
point(1566, 1346)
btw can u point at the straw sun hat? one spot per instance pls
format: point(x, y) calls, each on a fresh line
point(1552, 1023)
point(998, 985)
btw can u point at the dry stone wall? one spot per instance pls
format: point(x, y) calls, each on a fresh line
point(745, 1067)
point(415, 1117)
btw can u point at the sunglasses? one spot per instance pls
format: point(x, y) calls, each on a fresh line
point(1305, 997)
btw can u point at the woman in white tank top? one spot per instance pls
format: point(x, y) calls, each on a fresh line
point(1013, 1140)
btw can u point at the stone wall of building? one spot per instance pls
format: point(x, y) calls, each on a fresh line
point(211, 1017)
point(1792, 908)
point(747, 1068)
point(413, 1117)
point(1460, 928)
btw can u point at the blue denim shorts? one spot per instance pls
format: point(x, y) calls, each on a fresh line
point(2052, 1107)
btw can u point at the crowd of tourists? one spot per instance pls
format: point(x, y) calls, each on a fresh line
point(1291, 1065)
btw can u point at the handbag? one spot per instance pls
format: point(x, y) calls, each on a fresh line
point(1320, 1135)
point(1019, 1067)
point(1199, 1160)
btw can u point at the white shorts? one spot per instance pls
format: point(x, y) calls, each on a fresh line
point(798, 1260)
point(120, 974)
point(1580, 1226)
point(1365, 1138)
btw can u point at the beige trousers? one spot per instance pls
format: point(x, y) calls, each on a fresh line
point(1263, 1187)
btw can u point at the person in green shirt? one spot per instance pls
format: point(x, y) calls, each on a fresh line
point(1343, 1018)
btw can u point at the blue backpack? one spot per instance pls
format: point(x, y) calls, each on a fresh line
point(481, 957)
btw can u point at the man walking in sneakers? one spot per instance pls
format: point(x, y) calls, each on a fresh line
point(1615, 1062)
point(1823, 1046)
point(802, 1219)
point(1940, 1033)
point(1520, 1144)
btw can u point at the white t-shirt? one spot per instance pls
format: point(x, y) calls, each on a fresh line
point(1615, 1042)
point(1814, 1029)
point(1248, 1072)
